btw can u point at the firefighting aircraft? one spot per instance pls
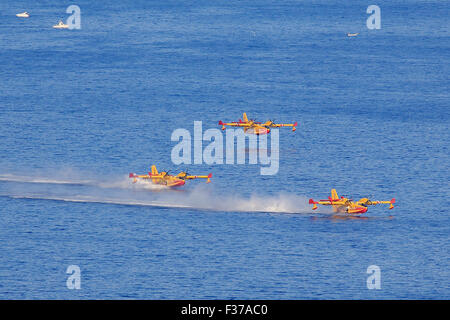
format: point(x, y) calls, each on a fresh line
point(253, 127)
point(166, 179)
point(344, 205)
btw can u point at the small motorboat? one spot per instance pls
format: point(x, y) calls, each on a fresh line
point(61, 25)
point(352, 34)
point(23, 15)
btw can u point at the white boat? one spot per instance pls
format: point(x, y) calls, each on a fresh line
point(23, 15)
point(61, 25)
point(352, 34)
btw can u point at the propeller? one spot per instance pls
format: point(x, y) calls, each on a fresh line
point(270, 123)
point(160, 173)
point(368, 202)
point(183, 174)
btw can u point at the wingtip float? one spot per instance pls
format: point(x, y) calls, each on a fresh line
point(345, 205)
point(166, 179)
point(258, 128)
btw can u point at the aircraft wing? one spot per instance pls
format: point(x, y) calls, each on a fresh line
point(235, 124)
point(368, 202)
point(141, 176)
point(329, 202)
point(208, 177)
point(278, 125)
point(146, 176)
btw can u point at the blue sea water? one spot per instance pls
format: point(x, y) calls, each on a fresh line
point(80, 109)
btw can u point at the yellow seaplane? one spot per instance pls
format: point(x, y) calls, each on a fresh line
point(166, 179)
point(344, 205)
point(253, 127)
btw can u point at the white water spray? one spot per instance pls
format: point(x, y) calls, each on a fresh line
point(122, 191)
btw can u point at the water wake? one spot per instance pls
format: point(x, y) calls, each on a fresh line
point(28, 179)
point(122, 182)
point(207, 199)
point(122, 191)
point(88, 199)
point(195, 200)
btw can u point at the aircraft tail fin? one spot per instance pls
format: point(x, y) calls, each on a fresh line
point(244, 117)
point(334, 194)
point(154, 170)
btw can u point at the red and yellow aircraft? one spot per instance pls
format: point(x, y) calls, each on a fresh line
point(250, 126)
point(165, 179)
point(345, 205)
